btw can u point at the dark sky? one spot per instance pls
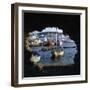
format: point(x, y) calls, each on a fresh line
point(38, 21)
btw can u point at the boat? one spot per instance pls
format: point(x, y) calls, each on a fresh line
point(57, 53)
point(57, 35)
point(35, 57)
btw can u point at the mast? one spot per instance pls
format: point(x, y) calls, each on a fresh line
point(56, 37)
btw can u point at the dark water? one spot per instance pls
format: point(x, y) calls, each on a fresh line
point(70, 61)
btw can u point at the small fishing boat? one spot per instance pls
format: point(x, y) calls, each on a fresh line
point(57, 53)
point(35, 57)
point(49, 46)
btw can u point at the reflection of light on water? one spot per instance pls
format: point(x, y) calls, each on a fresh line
point(67, 59)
